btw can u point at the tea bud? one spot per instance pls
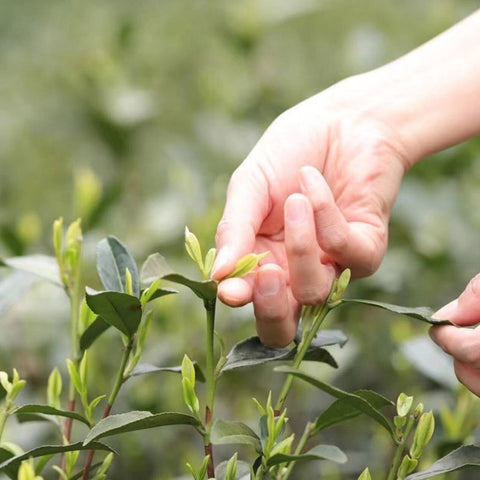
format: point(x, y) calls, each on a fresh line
point(231, 468)
point(423, 434)
point(247, 264)
point(407, 466)
point(193, 248)
point(365, 475)
point(54, 388)
point(404, 404)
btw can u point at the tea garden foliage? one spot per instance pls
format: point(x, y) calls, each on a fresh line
point(140, 128)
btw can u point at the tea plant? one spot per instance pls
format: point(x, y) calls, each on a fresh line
point(124, 305)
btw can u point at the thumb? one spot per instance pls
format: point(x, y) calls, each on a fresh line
point(465, 310)
point(245, 209)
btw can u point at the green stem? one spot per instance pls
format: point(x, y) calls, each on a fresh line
point(4, 413)
point(309, 427)
point(211, 380)
point(397, 458)
point(119, 380)
point(307, 338)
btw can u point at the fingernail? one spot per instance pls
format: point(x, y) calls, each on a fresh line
point(447, 311)
point(268, 283)
point(296, 209)
point(222, 259)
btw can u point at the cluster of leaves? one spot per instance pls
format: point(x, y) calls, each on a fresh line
point(124, 305)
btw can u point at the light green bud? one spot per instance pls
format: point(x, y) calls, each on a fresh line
point(407, 466)
point(209, 261)
point(365, 475)
point(404, 404)
point(247, 264)
point(192, 246)
point(87, 192)
point(423, 434)
point(6, 384)
point(231, 468)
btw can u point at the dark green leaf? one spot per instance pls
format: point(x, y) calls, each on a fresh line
point(51, 450)
point(134, 421)
point(146, 368)
point(47, 410)
point(13, 287)
point(156, 267)
point(420, 313)
point(206, 290)
point(243, 470)
point(5, 454)
point(465, 456)
point(343, 409)
point(42, 266)
point(112, 260)
point(161, 292)
point(120, 310)
point(92, 332)
point(355, 401)
point(252, 351)
point(224, 433)
point(320, 452)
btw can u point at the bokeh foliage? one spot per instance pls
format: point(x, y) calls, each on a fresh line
point(148, 107)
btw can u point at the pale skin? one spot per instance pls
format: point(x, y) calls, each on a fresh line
point(317, 189)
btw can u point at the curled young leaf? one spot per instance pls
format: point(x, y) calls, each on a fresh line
point(247, 264)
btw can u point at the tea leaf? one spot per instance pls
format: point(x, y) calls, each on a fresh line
point(465, 456)
point(342, 409)
point(137, 420)
point(247, 264)
point(156, 267)
point(7, 451)
point(206, 290)
point(146, 368)
point(252, 351)
point(355, 401)
point(226, 433)
point(47, 410)
point(420, 313)
point(320, 452)
point(112, 261)
point(42, 266)
point(120, 310)
point(92, 332)
point(51, 450)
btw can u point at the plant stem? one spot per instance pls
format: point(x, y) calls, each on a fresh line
point(309, 427)
point(210, 383)
point(397, 458)
point(307, 338)
point(120, 379)
point(4, 413)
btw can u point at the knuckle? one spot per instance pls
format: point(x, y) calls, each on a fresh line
point(300, 246)
point(470, 353)
point(310, 295)
point(473, 287)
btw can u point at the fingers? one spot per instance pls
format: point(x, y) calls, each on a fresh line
point(469, 376)
point(461, 343)
point(465, 310)
point(245, 209)
point(358, 245)
point(235, 292)
point(310, 279)
point(275, 309)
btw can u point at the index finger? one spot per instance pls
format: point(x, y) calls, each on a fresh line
point(245, 209)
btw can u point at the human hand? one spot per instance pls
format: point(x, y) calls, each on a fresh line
point(462, 343)
point(316, 191)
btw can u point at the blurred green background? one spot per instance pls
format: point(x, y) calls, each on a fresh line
point(133, 115)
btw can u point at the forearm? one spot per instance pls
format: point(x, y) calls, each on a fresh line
point(431, 96)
